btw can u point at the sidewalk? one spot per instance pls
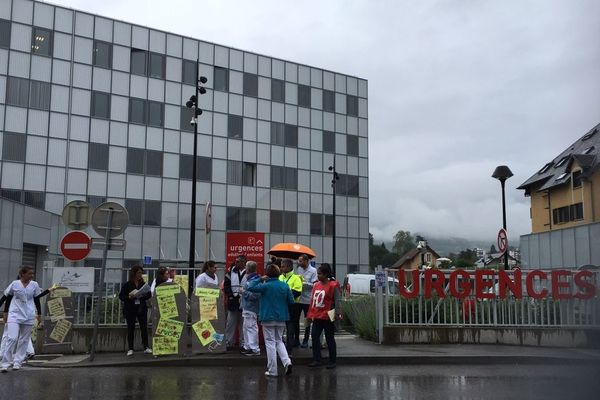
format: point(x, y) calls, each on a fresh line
point(351, 351)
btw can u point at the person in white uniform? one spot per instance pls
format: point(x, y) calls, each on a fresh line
point(208, 278)
point(20, 313)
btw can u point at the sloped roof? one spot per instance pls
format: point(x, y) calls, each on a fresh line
point(585, 151)
point(410, 255)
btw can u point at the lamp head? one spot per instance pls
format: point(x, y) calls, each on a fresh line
point(502, 173)
point(330, 168)
point(203, 79)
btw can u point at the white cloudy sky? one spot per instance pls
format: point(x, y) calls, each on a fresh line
point(456, 87)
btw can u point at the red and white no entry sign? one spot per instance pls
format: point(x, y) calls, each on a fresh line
point(75, 245)
point(502, 240)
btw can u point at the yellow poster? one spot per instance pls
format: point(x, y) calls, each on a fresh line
point(162, 345)
point(205, 331)
point(60, 331)
point(167, 306)
point(207, 292)
point(170, 328)
point(61, 292)
point(56, 309)
point(208, 308)
point(167, 290)
point(183, 281)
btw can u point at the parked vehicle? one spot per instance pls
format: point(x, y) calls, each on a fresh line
point(365, 284)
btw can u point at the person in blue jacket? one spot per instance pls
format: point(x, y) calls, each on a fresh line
point(275, 296)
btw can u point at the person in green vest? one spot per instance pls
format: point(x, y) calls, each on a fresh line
point(294, 281)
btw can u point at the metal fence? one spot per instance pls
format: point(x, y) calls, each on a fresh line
point(496, 312)
point(111, 307)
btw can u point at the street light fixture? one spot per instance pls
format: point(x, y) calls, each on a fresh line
point(334, 180)
point(502, 173)
point(422, 247)
point(192, 104)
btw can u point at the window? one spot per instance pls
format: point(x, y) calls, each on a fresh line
point(102, 56)
point(17, 91)
point(291, 135)
point(137, 111)
point(156, 113)
point(569, 213)
point(235, 126)
point(321, 224)
point(352, 105)
point(284, 178)
point(11, 194)
point(134, 209)
point(4, 33)
point(562, 161)
point(138, 62)
point(277, 90)
point(100, 105)
point(561, 176)
point(576, 211)
point(148, 162)
point(328, 142)
point(14, 146)
point(221, 77)
point(98, 156)
point(545, 168)
point(203, 167)
point(284, 222)
point(304, 96)
point(154, 162)
point(250, 84)
point(95, 201)
point(347, 185)
point(353, 269)
point(41, 42)
point(352, 145)
point(328, 101)
point(157, 66)
point(152, 212)
point(590, 134)
point(35, 199)
point(39, 95)
point(284, 134)
point(241, 173)
point(241, 219)
point(185, 118)
point(589, 150)
point(188, 73)
point(576, 179)
point(135, 161)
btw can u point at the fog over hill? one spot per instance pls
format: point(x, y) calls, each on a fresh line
point(446, 245)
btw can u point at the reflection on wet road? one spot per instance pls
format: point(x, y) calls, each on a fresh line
point(347, 382)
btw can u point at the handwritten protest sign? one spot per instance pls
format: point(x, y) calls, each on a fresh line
point(208, 308)
point(61, 292)
point(162, 345)
point(204, 330)
point(61, 330)
point(170, 328)
point(167, 306)
point(207, 292)
point(56, 309)
point(183, 281)
point(167, 290)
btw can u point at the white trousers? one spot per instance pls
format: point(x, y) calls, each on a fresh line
point(250, 331)
point(17, 339)
point(275, 347)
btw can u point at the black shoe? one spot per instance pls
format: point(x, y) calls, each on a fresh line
point(244, 351)
point(304, 345)
point(314, 364)
point(330, 366)
point(288, 369)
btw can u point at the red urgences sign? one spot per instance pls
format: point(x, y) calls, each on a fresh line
point(250, 244)
point(565, 284)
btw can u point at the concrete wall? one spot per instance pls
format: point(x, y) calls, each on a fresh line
point(588, 338)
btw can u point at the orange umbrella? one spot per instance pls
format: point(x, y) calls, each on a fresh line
point(291, 250)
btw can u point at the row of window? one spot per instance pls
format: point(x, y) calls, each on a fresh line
point(31, 198)
point(566, 214)
point(146, 63)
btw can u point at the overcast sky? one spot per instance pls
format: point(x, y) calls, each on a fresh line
point(456, 87)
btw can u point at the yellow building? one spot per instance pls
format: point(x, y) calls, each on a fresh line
point(565, 192)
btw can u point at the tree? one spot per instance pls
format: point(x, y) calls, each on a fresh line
point(379, 255)
point(403, 242)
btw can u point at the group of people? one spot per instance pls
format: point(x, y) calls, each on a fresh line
point(277, 300)
point(21, 309)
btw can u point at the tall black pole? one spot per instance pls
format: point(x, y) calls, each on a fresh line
point(333, 184)
point(192, 263)
point(504, 222)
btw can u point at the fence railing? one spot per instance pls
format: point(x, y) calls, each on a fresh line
point(526, 311)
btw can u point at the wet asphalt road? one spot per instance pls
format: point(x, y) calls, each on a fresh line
point(349, 382)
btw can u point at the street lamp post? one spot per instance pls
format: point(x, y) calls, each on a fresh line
point(334, 180)
point(422, 247)
point(192, 104)
point(502, 173)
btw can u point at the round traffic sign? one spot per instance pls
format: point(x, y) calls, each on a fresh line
point(75, 245)
point(502, 240)
point(111, 212)
point(76, 214)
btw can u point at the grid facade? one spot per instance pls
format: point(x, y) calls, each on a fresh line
point(93, 109)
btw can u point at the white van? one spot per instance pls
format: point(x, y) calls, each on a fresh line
point(365, 284)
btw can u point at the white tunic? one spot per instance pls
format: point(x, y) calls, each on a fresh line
point(22, 307)
point(205, 281)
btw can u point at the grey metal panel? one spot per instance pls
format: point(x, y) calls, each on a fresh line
point(568, 246)
point(544, 251)
point(534, 253)
point(36, 235)
point(556, 248)
point(582, 246)
point(595, 244)
point(17, 236)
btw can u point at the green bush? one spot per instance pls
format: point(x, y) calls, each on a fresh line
point(360, 312)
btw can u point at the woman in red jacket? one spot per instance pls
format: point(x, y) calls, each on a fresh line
point(323, 310)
